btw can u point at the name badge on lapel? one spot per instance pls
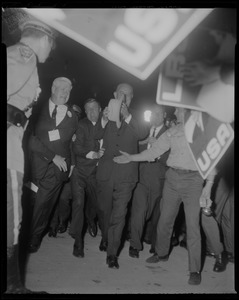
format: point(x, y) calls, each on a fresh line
point(54, 135)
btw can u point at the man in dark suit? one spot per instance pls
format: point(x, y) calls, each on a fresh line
point(62, 213)
point(51, 156)
point(115, 182)
point(83, 181)
point(149, 188)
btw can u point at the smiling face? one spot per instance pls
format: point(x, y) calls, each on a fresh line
point(92, 110)
point(60, 91)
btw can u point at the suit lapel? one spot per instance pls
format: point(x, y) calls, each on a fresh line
point(66, 119)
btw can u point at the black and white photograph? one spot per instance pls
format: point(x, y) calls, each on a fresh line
point(119, 150)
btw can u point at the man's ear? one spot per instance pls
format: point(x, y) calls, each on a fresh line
point(115, 94)
point(53, 88)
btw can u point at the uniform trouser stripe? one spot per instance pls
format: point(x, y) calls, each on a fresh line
point(14, 184)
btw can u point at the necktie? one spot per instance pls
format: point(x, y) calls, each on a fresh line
point(153, 134)
point(54, 112)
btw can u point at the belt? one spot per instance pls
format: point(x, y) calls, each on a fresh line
point(183, 171)
point(15, 116)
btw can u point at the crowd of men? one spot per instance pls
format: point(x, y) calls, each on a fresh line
point(87, 170)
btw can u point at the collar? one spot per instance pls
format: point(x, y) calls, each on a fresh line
point(52, 105)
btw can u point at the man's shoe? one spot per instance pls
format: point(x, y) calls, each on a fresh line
point(112, 261)
point(155, 258)
point(195, 278)
point(92, 228)
point(34, 245)
point(174, 241)
point(230, 257)
point(52, 232)
point(220, 264)
point(62, 228)
point(103, 245)
point(183, 244)
point(78, 251)
point(133, 252)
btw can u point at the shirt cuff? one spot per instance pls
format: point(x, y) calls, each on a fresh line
point(90, 155)
point(128, 119)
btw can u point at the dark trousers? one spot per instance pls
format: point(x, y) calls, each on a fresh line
point(113, 199)
point(82, 188)
point(212, 233)
point(144, 202)
point(186, 187)
point(151, 225)
point(46, 197)
point(63, 208)
point(224, 213)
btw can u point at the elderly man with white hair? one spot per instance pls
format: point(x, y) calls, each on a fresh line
point(51, 156)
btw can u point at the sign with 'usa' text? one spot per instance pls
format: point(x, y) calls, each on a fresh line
point(135, 39)
point(208, 140)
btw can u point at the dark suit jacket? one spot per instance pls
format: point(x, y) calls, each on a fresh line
point(84, 143)
point(150, 172)
point(43, 150)
point(126, 139)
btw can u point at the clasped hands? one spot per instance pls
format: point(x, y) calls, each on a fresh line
point(122, 159)
point(99, 154)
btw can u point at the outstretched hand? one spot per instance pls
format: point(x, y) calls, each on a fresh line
point(122, 159)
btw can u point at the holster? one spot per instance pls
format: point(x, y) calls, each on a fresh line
point(16, 116)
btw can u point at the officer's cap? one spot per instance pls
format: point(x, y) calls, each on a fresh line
point(39, 26)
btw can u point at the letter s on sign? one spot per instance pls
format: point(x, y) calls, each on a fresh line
point(154, 24)
point(213, 148)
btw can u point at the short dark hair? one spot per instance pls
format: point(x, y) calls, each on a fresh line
point(91, 100)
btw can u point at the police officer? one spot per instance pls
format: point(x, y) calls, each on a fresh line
point(37, 40)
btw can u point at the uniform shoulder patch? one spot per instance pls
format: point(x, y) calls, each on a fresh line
point(26, 52)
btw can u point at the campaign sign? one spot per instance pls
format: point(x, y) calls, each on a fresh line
point(135, 39)
point(208, 140)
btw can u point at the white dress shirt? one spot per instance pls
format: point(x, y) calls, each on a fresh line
point(90, 154)
point(61, 111)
